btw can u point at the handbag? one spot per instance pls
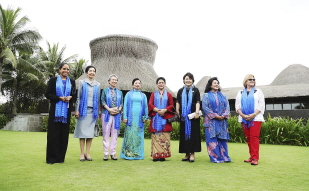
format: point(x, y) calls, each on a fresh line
point(96, 129)
point(191, 115)
point(173, 119)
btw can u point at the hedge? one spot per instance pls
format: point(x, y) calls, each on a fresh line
point(277, 130)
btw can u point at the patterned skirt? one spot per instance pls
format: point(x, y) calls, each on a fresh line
point(160, 145)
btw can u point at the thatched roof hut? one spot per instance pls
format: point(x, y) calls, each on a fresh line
point(291, 82)
point(293, 74)
point(201, 85)
point(126, 56)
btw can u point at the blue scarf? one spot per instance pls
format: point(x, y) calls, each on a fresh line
point(158, 121)
point(129, 108)
point(219, 109)
point(186, 110)
point(61, 110)
point(84, 101)
point(109, 104)
point(247, 106)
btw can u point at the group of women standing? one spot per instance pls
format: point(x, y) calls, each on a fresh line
point(136, 109)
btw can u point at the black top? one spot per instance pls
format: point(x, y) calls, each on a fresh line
point(51, 93)
point(195, 98)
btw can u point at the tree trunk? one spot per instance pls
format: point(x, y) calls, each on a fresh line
point(15, 93)
point(1, 62)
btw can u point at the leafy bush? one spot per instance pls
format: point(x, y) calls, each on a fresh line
point(285, 131)
point(3, 120)
point(235, 130)
point(44, 123)
point(277, 130)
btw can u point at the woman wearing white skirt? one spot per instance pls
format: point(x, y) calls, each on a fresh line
point(87, 111)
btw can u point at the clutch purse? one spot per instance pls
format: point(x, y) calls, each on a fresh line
point(191, 115)
point(96, 129)
point(173, 119)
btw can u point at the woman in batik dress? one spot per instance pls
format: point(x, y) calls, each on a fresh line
point(160, 108)
point(216, 112)
point(134, 115)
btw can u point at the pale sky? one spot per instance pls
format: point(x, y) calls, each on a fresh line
point(227, 39)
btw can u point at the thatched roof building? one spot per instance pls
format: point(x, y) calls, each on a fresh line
point(293, 74)
point(201, 85)
point(287, 95)
point(126, 56)
point(291, 82)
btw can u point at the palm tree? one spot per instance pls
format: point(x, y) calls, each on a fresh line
point(24, 80)
point(14, 38)
point(52, 58)
point(77, 68)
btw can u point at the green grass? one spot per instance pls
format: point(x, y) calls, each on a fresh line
point(23, 167)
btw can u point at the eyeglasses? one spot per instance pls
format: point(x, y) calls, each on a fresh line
point(251, 80)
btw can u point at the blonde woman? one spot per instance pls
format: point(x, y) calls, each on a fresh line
point(250, 105)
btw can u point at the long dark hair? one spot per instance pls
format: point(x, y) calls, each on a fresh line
point(209, 83)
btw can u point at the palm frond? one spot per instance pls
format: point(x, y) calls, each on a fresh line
point(8, 57)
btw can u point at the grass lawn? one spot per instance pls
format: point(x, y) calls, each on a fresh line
point(23, 167)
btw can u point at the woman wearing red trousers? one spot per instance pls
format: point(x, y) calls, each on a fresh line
point(250, 105)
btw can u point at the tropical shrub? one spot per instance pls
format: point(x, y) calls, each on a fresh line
point(277, 130)
point(44, 123)
point(285, 131)
point(3, 120)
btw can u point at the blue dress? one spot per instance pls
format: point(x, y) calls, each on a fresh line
point(133, 141)
point(216, 139)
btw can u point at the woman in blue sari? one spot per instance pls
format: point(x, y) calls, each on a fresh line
point(216, 112)
point(135, 113)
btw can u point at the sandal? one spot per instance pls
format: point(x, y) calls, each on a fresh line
point(105, 157)
point(113, 157)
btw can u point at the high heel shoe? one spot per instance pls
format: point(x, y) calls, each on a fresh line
point(105, 157)
point(248, 160)
point(88, 159)
point(82, 159)
point(254, 162)
point(113, 157)
point(186, 157)
point(191, 160)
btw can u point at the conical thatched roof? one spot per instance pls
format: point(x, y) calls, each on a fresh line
point(201, 85)
point(291, 82)
point(293, 74)
point(273, 91)
point(126, 56)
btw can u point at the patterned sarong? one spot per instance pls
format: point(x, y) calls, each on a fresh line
point(160, 145)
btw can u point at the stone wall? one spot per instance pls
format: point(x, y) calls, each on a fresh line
point(25, 122)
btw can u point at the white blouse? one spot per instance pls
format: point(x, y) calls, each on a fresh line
point(259, 104)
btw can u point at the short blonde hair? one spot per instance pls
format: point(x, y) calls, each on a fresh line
point(247, 77)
